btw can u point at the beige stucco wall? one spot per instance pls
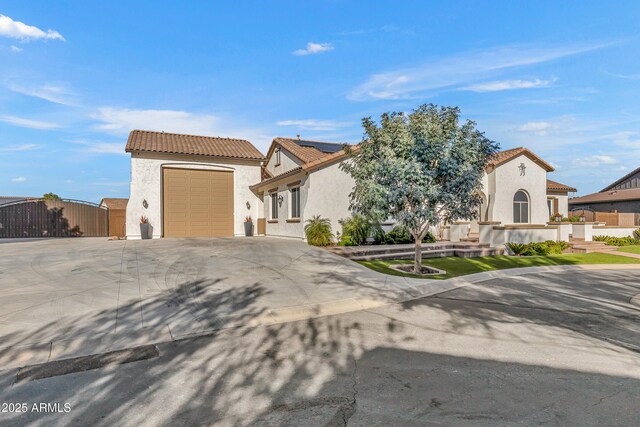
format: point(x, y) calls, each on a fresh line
point(508, 181)
point(329, 195)
point(287, 162)
point(146, 184)
point(282, 228)
point(563, 204)
point(323, 192)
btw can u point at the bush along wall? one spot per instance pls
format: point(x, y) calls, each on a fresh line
point(357, 229)
point(618, 241)
point(549, 247)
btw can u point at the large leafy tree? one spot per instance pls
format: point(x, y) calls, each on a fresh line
point(419, 169)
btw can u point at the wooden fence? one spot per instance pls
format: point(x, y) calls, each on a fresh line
point(53, 218)
point(609, 218)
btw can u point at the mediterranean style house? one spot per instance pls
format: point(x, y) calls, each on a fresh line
point(191, 186)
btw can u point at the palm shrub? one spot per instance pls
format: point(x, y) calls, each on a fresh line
point(599, 238)
point(516, 248)
point(636, 234)
point(318, 231)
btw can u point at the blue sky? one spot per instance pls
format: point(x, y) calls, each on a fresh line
point(561, 78)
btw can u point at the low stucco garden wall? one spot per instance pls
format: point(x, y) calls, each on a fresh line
point(612, 231)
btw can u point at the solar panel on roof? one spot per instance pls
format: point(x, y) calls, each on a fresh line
point(325, 147)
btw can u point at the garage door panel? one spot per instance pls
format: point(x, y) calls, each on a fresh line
point(197, 203)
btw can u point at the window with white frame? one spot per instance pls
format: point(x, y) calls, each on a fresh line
point(295, 202)
point(274, 205)
point(520, 207)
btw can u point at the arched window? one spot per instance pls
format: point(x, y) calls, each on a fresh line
point(520, 207)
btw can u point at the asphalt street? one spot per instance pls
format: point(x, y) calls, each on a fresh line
point(551, 348)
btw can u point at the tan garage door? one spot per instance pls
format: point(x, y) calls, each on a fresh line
point(197, 203)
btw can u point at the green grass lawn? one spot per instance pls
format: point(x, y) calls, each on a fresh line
point(456, 266)
point(630, 249)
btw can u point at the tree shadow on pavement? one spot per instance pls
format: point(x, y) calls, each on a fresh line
point(596, 306)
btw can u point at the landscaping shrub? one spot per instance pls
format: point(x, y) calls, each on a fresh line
point(399, 235)
point(355, 231)
point(517, 248)
point(636, 234)
point(318, 231)
point(549, 247)
point(617, 241)
point(571, 219)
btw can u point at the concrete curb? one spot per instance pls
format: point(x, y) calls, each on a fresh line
point(12, 358)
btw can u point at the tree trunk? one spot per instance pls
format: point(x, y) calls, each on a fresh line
point(417, 265)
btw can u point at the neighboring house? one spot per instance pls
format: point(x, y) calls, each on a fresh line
point(189, 186)
point(623, 196)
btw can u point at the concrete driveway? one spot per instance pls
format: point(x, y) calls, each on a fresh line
point(556, 348)
point(65, 297)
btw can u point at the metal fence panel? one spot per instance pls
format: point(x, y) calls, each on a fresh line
point(53, 218)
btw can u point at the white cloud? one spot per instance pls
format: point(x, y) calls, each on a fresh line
point(313, 48)
point(18, 179)
point(58, 93)
point(458, 70)
point(19, 30)
point(120, 121)
point(495, 86)
point(23, 147)
point(313, 124)
point(123, 120)
point(627, 139)
point(537, 128)
point(16, 49)
point(593, 161)
point(625, 76)
point(28, 123)
point(100, 147)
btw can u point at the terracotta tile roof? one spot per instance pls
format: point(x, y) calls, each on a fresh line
point(607, 196)
point(264, 173)
point(506, 155)
point(553, 185)
point(114, 203)
point(163, 142)
point(305, 150)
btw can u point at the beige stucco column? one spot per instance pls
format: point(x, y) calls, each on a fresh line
point(486, 231)
point(458, 231)
point(564, 230)
point(583, 230)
